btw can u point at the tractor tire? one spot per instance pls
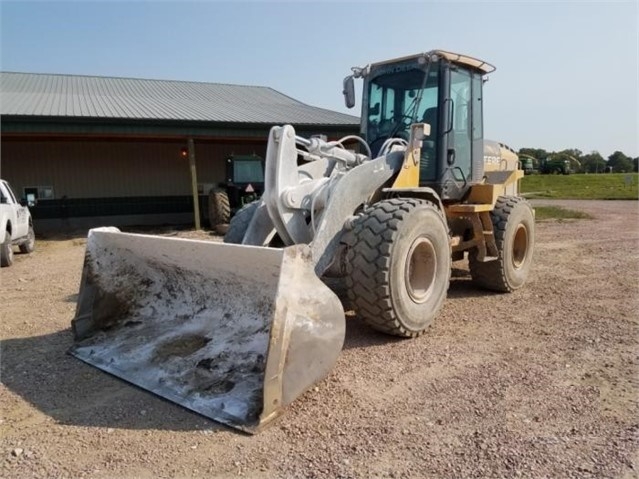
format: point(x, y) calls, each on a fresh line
point(514, 228)
point(6, 251)
point(240, 223)
point(29, 244)
point(219, 208)
point(398, 266)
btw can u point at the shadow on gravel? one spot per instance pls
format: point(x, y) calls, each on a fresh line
point(72, 298)
point(461, 286)
point(74, 393)
point(359, 335)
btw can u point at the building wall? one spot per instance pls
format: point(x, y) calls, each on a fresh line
point(106, 169)
point(115, 182)
point(98, 175)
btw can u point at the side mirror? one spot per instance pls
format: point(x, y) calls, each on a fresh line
point(29, 201)
point(349, 91)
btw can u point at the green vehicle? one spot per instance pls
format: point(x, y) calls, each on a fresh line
point(554, 165)
point(244, 184)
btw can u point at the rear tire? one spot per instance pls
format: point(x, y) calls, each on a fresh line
point(219, 208)
point(398, 268)
point(240, 223)
point(6, 251)
point(514, 229)
point(29, 245)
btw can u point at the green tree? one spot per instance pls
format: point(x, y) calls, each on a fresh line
point(635, 163)
point(593, 162)
point(574, 152)
point(620, 163)
point(538, 153)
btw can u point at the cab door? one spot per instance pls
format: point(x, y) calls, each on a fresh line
point(457, 146)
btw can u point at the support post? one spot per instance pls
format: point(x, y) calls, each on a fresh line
point(196, 198)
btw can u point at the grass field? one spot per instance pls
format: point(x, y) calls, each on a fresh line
point(558, 213)
point(610, 186)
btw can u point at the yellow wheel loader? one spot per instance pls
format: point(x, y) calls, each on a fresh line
point(238, 330)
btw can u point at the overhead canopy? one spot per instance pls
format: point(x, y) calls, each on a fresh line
point(450, 56)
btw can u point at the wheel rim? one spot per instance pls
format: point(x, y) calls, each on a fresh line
point(421, 265)
point(520, 246)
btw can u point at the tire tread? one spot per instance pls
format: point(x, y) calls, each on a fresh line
point(492, 274)
point(369, 262)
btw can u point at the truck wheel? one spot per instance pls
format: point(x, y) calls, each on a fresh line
point(29, 244)
point(219, 208)
point(398, 268)
point(240, 223)
point(514, 229)
point(6, 251)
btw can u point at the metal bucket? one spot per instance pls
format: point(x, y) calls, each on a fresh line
point(232, 332)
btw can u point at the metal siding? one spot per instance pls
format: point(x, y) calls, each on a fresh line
point(94, 169)
point(89, 169)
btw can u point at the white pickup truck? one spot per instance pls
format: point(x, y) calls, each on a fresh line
point(16, 225)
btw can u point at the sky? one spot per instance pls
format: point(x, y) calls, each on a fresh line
point(567, 71)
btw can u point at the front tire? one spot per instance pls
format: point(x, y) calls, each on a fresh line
point(240, 223)
point(29, 244)
point(514, 229)
point(6, 251)
point(398, 268)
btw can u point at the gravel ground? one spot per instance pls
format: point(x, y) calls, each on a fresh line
point(539, 383)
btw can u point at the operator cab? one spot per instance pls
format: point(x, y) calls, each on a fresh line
point(442, 89)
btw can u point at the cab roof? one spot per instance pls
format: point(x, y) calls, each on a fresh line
point(466, 60)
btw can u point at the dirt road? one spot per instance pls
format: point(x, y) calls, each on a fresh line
point(538, 383)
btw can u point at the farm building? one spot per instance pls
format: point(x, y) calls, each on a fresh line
point(113, 151)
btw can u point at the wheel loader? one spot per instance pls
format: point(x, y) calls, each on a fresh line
point(237, 330)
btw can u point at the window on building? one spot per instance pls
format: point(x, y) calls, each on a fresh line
point(39, 192)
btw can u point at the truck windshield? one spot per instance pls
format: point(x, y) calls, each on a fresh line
point(396, 100)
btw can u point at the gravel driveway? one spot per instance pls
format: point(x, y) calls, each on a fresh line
point(538, 383)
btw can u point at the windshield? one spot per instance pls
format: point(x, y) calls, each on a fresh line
point(396, 100)
point(248, 171)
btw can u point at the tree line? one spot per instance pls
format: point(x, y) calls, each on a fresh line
point(591, 162)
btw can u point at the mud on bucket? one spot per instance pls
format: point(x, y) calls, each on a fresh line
point(232, 332)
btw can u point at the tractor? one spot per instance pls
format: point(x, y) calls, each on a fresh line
point(244, 183)
point(238, 330)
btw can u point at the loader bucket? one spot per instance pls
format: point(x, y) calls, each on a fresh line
point(232, 332)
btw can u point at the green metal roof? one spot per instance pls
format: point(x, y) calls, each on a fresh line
point(91, 97)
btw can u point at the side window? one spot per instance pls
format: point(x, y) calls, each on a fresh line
point(381, 111)
point(460, 93)
point(428, 113)
point(375, 100)
point(478, 125)
point(7, 194)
